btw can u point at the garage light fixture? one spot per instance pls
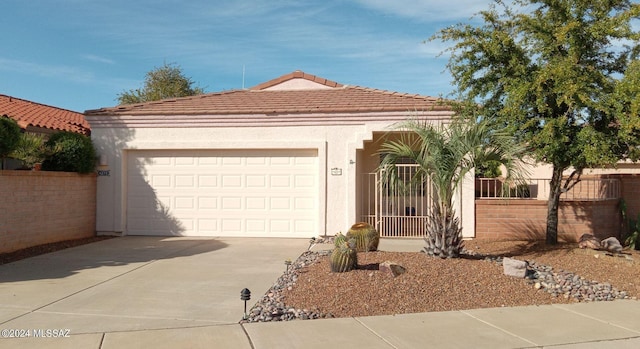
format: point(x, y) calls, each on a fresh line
point(102, 161)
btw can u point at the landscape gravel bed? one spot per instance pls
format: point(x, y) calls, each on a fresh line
point(309, 290)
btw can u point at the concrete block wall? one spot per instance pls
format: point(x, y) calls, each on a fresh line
point(630, 189)
point(39, 207)
point(526, 219)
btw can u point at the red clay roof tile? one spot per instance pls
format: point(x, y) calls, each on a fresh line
point(27, 113)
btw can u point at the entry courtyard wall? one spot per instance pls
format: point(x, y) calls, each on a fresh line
point(40, 207)
point(516, 219)
point(525, 219)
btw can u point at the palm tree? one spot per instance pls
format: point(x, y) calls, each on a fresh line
point(445, 155)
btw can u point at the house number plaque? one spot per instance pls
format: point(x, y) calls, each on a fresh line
point(336, 171)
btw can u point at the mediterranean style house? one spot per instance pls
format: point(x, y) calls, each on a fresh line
point(292, 157)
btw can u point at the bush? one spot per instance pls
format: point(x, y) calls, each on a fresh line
point(9, 136)
point(73, 152)
point(489, 169)
point(31, 150)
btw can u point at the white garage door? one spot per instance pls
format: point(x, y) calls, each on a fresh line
point(271, 193)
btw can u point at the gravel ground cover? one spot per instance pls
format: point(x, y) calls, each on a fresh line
point(558, 274)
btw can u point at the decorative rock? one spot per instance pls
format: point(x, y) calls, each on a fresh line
point(589, 241)
point(514, 267)
point(391, 268)
point(558, 283)
point(611, 244)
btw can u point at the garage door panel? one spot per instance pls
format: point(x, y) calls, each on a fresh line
point(232, 225)
point(207, 225)
point(256, 225)
point(161, 181)
point(207, 203)
point(282, 203)
point(232, 181)
point(223, 193)
point(231, 160)
point(256, 181)
point(231, 203)
point(256, 203)
point(280, 225)
point(185, 203)
point(185, 181)
point(185, 161)
point(207, 181)
point(257, 161)
point(280, 181)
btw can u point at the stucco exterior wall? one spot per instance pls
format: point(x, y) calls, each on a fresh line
point(339, 146)
point(40, 207)
point(331, 142)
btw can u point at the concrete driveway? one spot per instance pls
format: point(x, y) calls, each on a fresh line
point(129, 284)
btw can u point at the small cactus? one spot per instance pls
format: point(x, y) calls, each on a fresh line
point(339, 239)
point(344, 257)
point(366, 236)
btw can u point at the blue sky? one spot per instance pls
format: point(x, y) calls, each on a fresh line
point(79, 54)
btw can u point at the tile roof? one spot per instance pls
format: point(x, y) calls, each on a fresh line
point(296, 75)
point(27, 113)
point(264, 99)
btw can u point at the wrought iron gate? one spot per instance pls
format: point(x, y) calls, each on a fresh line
point(396, 211)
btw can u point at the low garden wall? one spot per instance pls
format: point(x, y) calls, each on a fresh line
point(525, 219)
point(39, 207)
point(630, 189)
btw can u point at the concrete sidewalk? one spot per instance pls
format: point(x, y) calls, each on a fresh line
point(595, 325)
point(149, 292)
point(578, 326)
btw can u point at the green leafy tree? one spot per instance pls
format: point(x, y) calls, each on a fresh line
point(563, 76)
point(167, 81)
point(445, 155)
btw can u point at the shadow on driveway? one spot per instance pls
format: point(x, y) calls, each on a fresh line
point(116, 252)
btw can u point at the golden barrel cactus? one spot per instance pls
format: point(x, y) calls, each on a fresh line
point(344, 257)
point(366, 236)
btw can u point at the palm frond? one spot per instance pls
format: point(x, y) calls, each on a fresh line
point(445, 154)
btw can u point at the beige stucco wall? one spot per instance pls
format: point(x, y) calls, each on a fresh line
point(337, 197)
point(339, 145)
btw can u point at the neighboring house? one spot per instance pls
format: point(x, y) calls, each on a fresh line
point(39, 118)
point(43, 119)
point(291, 157)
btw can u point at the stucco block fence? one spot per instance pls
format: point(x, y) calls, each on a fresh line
point(525, 219)
point(39, 207)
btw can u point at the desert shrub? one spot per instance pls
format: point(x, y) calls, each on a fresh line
point(31, 149)
point(73, 153)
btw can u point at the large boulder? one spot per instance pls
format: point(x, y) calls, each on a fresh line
point(589, 241)
point(514, 267)
point(611, 245)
